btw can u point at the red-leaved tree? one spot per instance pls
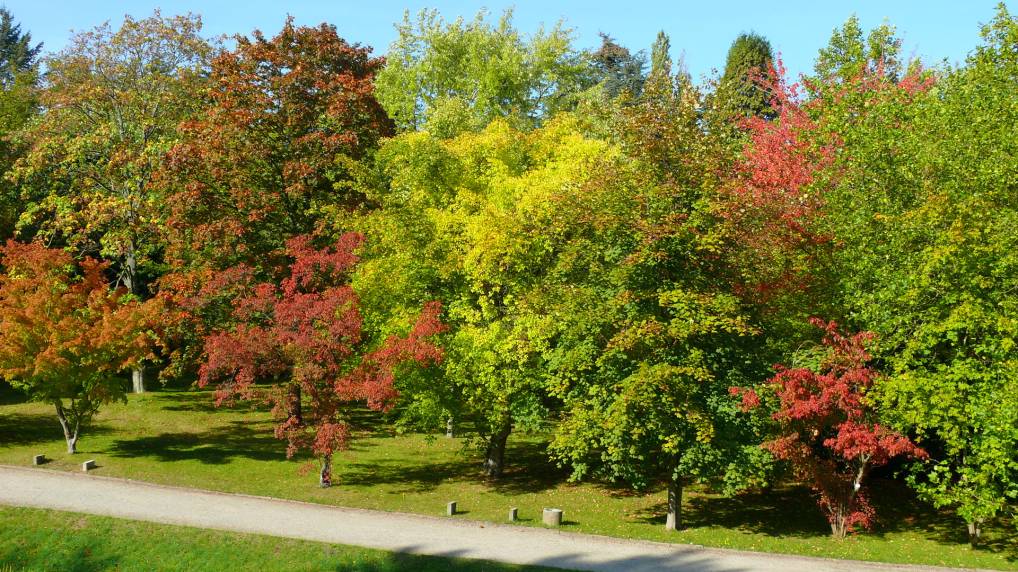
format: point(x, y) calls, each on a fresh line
point(827, 429)
point(306, 332)
point(65, 335)
point(775, 195)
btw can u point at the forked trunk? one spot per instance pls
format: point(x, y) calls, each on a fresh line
point(70, 429)
point(975, 531)
point(494, 458)
point(674, 519)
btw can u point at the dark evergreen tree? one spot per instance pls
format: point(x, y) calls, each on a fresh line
point(18, 104)
point(619, 70)
point(17, 54)
point(739, 92)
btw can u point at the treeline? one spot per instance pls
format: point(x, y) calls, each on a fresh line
point(503, 231)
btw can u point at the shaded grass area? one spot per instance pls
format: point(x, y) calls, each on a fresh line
point(33, 539)
point(179, 438)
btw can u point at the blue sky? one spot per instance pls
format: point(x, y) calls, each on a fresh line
point(700, 31)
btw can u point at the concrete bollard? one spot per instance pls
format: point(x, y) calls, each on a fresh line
point(552, 517)
point(513, 514)
point(38, 459)
point(88, 465)
point(450, 509)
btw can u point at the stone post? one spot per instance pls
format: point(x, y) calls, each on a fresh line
point(552, 517)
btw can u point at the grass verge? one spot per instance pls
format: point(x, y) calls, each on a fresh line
point(32, 539)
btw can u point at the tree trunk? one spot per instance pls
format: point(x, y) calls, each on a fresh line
point(494, 458)
point(70, 433)
point(449, 428)
point(674, 519)
point(293, 406)
point(840, 512)
point(839, 522)
point(325, 476)
point(975, 531)
point(138, 379)
point(131, 281)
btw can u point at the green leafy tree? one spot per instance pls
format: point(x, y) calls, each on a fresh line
point(850, 52)
point(450, 77)
point(113, 100)
point(946, 307)
point(646, 329)
point(660, 56)
point(475, 221)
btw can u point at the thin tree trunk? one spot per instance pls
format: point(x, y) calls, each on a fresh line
point(325, 475)
point(138, 379)
point(131, 281)
point(975, 531)
point(293, 406)
point(449, 433)
point(674, 519)
point(494, 458)
point(839, 524)
point(70, 434)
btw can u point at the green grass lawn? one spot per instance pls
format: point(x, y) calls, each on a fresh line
point(33, 539)
point(178, 438)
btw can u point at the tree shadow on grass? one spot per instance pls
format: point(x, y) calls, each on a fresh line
point(204, 402)
point(900, 510)
point(241, 439)
point(528, 470)
point(72, 559)
point(419, 477)
point(11, 396)
point(19, 429)
point(786, 511)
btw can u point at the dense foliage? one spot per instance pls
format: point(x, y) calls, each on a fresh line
point(65, 335)
point(498, 233)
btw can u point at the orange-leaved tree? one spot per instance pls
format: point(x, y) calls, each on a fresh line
point(65, 335)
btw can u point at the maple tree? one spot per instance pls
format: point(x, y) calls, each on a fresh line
point(828, 430)
point(306, 331)
point(265, 156)
point(65, 335)
point(644, 332)
point(283, 120)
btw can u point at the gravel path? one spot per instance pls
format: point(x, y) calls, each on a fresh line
point(385, 530)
